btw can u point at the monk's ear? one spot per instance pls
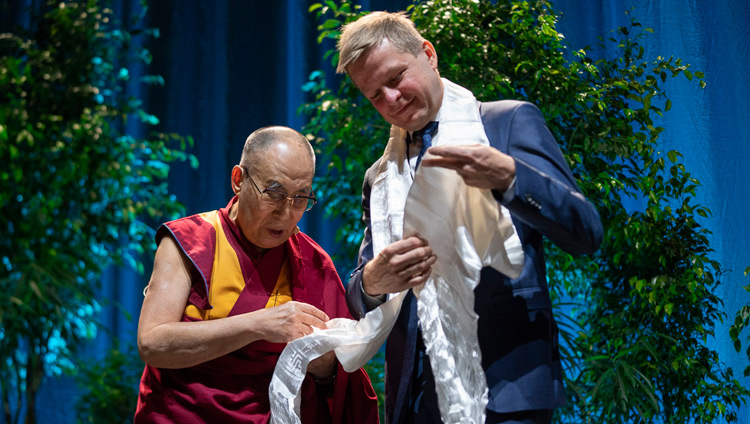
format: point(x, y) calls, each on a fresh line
point(236, 179)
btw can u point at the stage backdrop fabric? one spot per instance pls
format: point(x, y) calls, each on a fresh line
point(234, 66)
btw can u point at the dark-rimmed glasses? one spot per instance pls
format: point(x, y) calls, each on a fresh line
point(277, 198)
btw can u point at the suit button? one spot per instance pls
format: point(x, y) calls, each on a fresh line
point(531, 201)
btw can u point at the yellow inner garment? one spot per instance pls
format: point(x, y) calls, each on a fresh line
point(227, 282)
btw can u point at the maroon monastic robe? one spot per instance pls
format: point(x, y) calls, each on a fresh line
point(229, 278)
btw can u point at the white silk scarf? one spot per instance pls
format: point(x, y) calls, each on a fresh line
point(466, 229)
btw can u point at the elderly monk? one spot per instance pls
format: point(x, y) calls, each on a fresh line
point(231, 287)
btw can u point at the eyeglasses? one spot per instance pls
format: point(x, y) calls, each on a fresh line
point(277, 197)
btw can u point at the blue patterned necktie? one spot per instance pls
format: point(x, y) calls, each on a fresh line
point(425, 135)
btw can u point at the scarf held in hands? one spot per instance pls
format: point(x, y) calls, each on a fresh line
point(467, 230)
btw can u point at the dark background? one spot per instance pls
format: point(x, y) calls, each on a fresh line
point(233, 66)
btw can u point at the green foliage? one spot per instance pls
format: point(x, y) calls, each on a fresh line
point(76, 190)
point(109, 388)
point(635, 344)
point(346, 131)
point(335, 119)
point(741, 321)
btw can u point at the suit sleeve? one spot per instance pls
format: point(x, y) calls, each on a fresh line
point(546, 196)
point(354, 301)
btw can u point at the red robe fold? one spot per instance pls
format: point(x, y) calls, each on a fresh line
point(228, 278)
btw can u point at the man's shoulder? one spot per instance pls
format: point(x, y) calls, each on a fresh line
point(503, 106)
point(500, 114)
point(373, 169)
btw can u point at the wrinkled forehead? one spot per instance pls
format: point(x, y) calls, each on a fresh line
point(286, 164)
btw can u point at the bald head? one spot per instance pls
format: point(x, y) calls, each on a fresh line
point(273, 184)
point(258, 143)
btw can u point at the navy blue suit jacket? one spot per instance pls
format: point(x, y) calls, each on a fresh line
point(517, 332)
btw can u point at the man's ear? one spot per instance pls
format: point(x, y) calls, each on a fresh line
point(236, 179)
point(429, 50)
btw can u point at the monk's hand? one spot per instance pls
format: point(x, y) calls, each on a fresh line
point(324, 366)
point(479, 165)
point(399, 266)
point(291, 320)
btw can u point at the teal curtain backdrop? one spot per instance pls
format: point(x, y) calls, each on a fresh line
point(233, 66)
point(709, 127)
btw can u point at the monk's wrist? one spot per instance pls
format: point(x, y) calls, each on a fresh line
point(324, 381)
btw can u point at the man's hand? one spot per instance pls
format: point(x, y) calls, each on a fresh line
point(290, 321)
point(400, 266)
point(480, 166)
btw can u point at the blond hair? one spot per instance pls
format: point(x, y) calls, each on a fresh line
point(370, 30)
